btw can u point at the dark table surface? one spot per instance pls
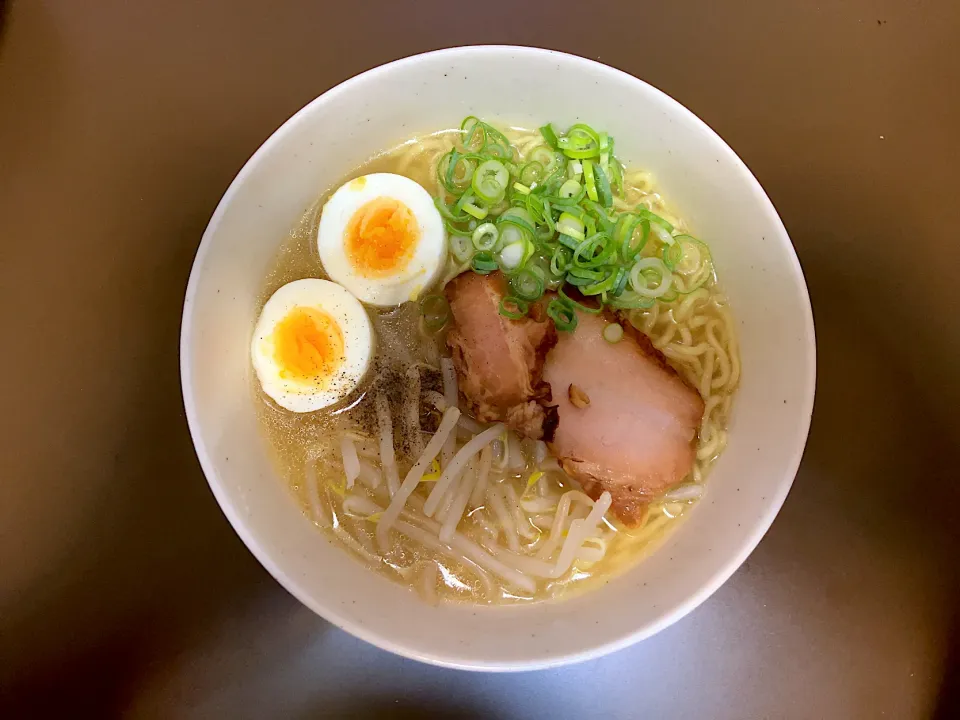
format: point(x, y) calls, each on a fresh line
point(123, 591)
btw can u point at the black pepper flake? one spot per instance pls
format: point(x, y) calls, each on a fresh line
point(389, 378)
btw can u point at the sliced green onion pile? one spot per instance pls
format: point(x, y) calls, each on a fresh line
point(547, 221)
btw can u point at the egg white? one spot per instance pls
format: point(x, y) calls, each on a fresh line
point(358, 344)
point(407, 283)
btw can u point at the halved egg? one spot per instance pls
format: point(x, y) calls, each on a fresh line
point(382, 238)
point(312, 345)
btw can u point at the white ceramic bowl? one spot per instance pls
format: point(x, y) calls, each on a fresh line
point(704, 181)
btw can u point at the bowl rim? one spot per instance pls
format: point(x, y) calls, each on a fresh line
point(461, 660)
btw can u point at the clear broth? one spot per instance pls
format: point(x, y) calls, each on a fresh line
point(306, 447)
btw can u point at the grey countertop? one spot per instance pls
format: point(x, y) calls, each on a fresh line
point(124, 592)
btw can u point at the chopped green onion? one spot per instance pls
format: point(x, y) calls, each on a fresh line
point(435, 311)
point(467, 198)
point(534, 205)
point(589, 224)
point(613, 333)
point(454, 229)
point(594, 251)
point(498, 137)
point(527, 283)
point(520, 218)
point(599, 213)
point(621, 282)
point(571, 190)
point(616, 176)
point(625, 235)
point(581, 278)
point(563, 315)
point(578, 305)
point(560, 260)
point(576, 281)
point(461, 247)
point(580, 142)
point(694, 254)
point(449, 214)
point(546, 219)
point(570, 225)
point(672, 255)
point(547, 159)
point(490, 181)
point(550, 184)
point(477, 211)
point(653, 217)
point(641, 281)
point(629, 300)
point(472, 135)
point(509, 234)
point(483, 263)
point(501, 152)
point(485, 237)
point(589, 180)
point(601, 286)
point(550, 135)
point(571, 208)
point(591, 275)
point(549, 227)
point(661, 234)
point(552, 281)
point(455, 170)
point(696, 266)
point(584, 128)
point(531, 173)
point(515, 254)
point(513, 307)
point(603, 187)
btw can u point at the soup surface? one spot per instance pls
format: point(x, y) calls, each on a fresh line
point(510, 525)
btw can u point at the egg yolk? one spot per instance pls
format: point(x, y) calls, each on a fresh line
point(308, 346)
point(381, 237)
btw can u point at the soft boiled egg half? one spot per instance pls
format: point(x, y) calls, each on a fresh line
point(382, 238)
point(312, 345)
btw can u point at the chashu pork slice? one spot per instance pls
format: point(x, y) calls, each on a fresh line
point(499, 361)
point(627, 421)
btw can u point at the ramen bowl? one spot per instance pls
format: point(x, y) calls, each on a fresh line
point(703, 179)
